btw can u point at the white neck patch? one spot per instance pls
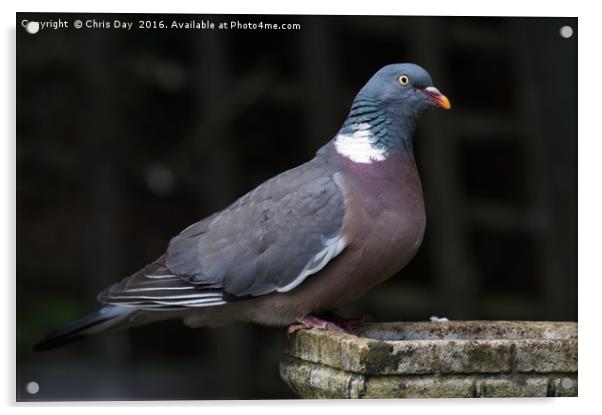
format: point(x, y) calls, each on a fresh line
point(358, 146)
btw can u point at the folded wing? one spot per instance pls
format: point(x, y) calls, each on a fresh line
point(270, 240)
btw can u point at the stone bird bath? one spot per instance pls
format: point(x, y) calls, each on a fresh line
point(434, 360)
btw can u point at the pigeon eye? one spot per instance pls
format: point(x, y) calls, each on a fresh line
point(404, 80)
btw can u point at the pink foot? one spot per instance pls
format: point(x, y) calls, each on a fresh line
point(311, 322)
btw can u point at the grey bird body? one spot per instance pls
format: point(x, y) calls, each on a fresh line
point(386, 229)
point(311, 239)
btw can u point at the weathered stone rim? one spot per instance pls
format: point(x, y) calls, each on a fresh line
point(554, 351)
point(469, 330)
point(451, 359)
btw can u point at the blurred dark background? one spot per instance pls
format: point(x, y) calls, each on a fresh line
point(125, 138)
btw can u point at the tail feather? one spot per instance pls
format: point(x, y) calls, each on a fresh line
point(105, 318)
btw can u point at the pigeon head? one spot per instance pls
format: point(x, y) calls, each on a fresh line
point(405, 88)
point(383, 115)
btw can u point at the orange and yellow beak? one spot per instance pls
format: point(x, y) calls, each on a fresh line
point(437, 97)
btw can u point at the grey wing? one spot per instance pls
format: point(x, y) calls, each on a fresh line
point(271, 239)
point(155, 287)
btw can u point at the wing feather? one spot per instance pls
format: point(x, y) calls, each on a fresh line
point(270, 240)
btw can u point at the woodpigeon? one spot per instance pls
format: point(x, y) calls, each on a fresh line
point(309, 240)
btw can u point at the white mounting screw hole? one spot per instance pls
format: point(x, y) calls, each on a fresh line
point(566, 31)
point(32, 388)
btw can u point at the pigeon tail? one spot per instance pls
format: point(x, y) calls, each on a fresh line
point(103, 319)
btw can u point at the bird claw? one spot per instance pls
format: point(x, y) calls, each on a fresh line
point(311, 322)
point(336, 323)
